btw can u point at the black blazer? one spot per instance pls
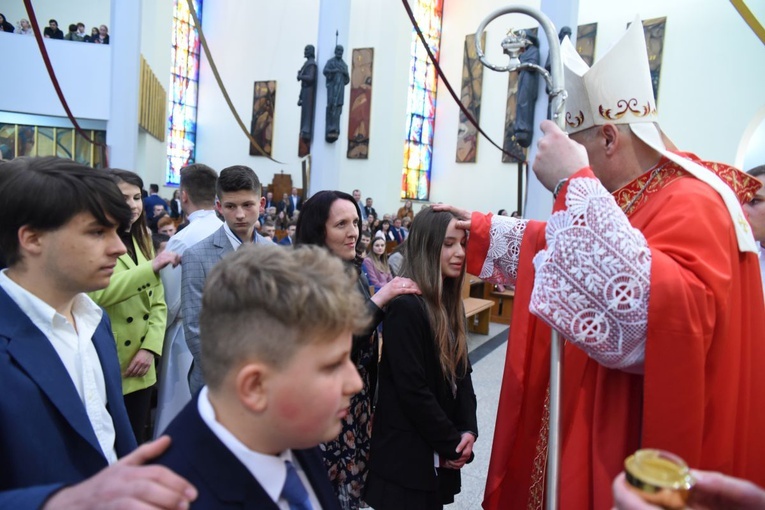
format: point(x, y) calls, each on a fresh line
point(221, 480)
point(416, 413)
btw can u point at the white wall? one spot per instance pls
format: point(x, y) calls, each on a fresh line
point(156, 38)
point(253, 41)
point(75, 64)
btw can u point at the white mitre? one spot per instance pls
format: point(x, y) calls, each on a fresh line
point(617, 89)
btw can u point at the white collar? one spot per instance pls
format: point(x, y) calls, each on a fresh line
point(269, 470)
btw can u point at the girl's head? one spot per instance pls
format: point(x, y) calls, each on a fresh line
point(385, 225)
point(408, 204)
point(176, 195)
point(330, 219)
point(130, 185)
point(377, 247)
point(2, 18)
point(24, 24)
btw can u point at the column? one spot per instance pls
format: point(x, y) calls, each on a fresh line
point(125, 45)
point(326, 158)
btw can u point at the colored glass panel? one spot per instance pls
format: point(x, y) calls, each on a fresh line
point(182, 123)
point(421, 102)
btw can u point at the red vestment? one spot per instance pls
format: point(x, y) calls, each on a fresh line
point(702, 394)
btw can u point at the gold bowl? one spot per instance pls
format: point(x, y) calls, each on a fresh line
point(659, 477)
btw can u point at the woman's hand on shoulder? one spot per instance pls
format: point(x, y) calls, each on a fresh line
point(163, 259)
point(394, 288)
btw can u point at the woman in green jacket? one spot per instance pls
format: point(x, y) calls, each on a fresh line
point(135, 303)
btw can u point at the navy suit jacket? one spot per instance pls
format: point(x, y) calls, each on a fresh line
point(222, 481)
point(46, 439)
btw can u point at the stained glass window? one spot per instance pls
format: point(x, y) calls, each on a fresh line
point(182, 129)
point(421, 102)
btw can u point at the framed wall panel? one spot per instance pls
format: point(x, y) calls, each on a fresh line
point(654, 40)
point(585, 42)
point(361, 103)
point(262, 126)
point(472, 81)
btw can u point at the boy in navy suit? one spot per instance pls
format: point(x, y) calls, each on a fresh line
point(275, 330)
point(64, 423)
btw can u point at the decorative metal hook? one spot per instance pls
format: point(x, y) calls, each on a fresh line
point(515, 42)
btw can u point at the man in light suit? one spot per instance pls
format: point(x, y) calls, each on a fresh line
point(277, 385)
point(63, 417)
point(239, 202)
point(197, 192)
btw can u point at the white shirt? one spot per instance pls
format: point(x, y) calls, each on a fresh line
point(76, 350)
point(201, 225)
point(269, 470)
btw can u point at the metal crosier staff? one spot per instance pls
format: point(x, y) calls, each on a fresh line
point(512, 45)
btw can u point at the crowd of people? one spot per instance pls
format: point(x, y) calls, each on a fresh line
point(274, 388)
point(76, 31)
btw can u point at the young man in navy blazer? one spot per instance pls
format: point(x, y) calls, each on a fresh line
point(64, 423)
point(275, 329)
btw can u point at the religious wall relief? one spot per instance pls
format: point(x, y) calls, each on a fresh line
point(361, 103)
point(262, 126)
point(472, 81)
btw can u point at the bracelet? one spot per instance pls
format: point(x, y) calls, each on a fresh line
point(559, 186)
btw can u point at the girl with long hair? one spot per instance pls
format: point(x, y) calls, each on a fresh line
point(135, 303)
point(332, 219)
point(425, 422)
point(375, 265)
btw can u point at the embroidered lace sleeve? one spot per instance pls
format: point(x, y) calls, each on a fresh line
point(501, 263)
point(592, 282)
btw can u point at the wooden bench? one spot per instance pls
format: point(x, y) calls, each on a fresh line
point(502, 311)
point(478, 314)
point(477, 310)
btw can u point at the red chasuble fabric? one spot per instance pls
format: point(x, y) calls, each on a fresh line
point(703, 392)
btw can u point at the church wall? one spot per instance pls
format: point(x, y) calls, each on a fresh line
point(707, 94)
point(156, 38)
point(254, 41)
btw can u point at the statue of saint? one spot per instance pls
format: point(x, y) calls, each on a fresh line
point(336, 73)
point(307, 78)
point(526, 98)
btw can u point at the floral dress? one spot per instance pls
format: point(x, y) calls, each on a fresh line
point(347, 456)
